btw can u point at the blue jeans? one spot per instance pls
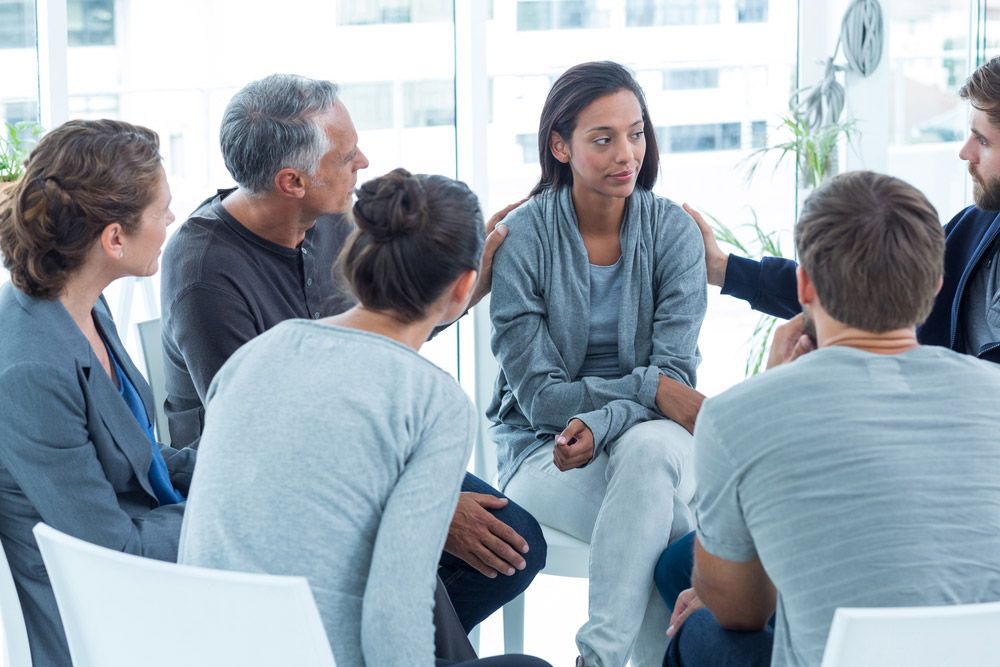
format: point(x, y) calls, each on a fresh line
point(701, 642)
point(475, 596)
point(673, 571)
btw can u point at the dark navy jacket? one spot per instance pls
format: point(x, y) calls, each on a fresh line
point(769, 285)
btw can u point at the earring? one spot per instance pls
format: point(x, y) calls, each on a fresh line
point(121, 253)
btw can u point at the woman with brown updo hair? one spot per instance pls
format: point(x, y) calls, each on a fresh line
point(77, 449)
point(332, 450)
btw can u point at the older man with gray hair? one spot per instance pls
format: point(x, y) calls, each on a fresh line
point(253, 256)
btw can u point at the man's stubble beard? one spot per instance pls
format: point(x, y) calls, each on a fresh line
point(985, 192)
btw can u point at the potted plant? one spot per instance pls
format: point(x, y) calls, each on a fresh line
point(815, 150)
point(16, 142)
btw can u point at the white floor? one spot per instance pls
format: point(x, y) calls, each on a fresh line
point(554, 608)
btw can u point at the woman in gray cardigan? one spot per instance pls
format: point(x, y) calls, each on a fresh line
point(598, 298)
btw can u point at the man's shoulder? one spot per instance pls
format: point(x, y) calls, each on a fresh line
point(205, 245)
point(971, 219)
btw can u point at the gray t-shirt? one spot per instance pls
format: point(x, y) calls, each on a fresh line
point(336, 455)
point(859, 480)
point(602, 340)
point(981, 305)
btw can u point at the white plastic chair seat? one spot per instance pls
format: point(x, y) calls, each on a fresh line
point(566, 556)
point(120, 610)
point(967, 635)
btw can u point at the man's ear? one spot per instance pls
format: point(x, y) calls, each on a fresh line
point(290, 182)
point(559, 148)
point(805, 287)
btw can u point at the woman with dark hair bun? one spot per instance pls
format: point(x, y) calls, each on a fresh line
point(77, 449)
point(598, 299)
point(333, 450)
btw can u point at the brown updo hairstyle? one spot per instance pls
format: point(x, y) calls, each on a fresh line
point(81, 177)
point(416, 233)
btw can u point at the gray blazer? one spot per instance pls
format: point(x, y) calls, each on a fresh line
point(540, 308)
point(72, 455)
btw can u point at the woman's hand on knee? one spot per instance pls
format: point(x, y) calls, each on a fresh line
point(574, 446)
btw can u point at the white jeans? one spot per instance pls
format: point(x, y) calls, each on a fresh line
point(629, 503)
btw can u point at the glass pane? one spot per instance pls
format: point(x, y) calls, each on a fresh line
point(19, 68)
point(928, 56)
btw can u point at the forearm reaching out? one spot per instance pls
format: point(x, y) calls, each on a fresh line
point(678, 402)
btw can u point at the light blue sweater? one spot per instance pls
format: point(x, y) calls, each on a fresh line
point(540, 306)
point(337, 455)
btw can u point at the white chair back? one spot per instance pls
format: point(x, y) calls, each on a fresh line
point(967, 635)
point(15, 652)
point(120, 610)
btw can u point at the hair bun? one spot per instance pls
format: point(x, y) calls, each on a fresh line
point(392, 206)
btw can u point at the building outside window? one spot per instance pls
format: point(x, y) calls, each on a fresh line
point(91, 22)
point(19, 111)
point(670, 12)
point(371, 104)
point(751, 11)
point(704, 137)
point(529, 147)
point(367, 12)
point(690, 79)
point(17, 24)
point(559, 15)
point(428, 103)
point(758, 134)
point(93, 107)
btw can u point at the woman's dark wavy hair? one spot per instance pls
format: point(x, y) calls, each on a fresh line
point(570, 94)
point(416, 233)
point(81, 177)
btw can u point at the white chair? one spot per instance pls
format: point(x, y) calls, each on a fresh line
point(566, 557)
point(967, 635)
point(152, 352)
point(15, 652)
point(120, 610)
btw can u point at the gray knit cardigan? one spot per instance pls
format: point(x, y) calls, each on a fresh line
point(540, 307)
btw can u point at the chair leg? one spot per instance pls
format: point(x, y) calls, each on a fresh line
point(513, 625)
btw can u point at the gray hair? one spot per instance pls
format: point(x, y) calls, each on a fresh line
point(270, 125)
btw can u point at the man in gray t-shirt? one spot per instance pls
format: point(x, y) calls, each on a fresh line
point(866, 473)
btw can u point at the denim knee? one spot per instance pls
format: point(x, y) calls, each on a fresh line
point(523, 523)
point(673, 571)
